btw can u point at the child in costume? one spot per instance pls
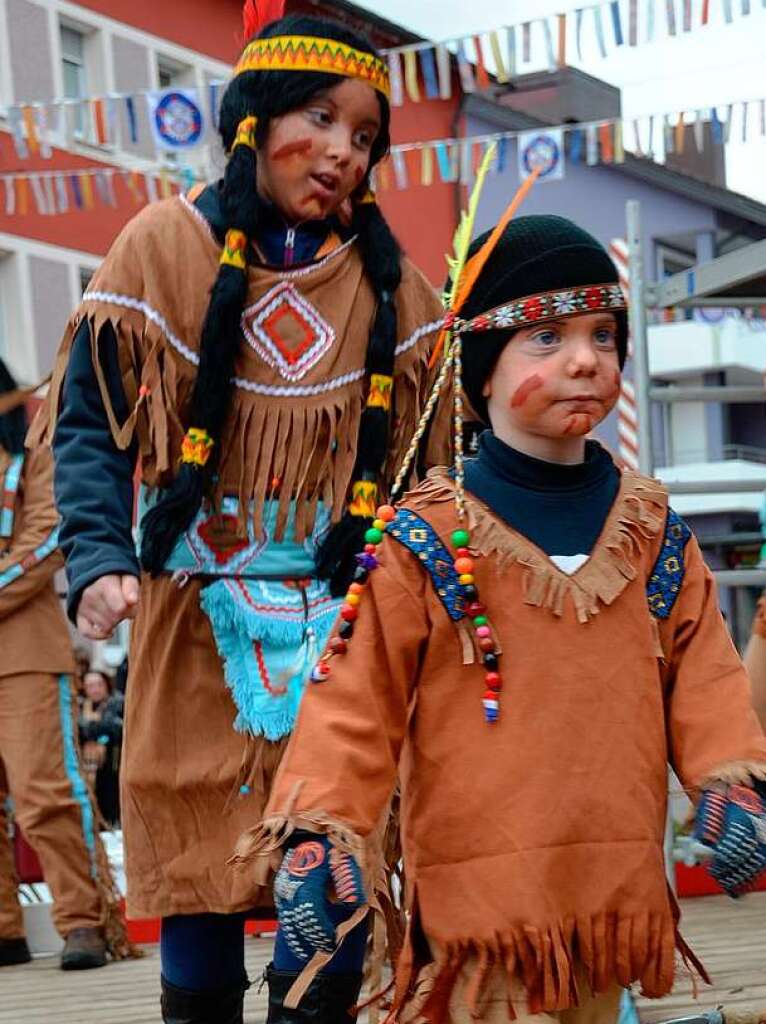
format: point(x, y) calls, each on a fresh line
point(529, 640)
point(39, 764)
point(261, 348)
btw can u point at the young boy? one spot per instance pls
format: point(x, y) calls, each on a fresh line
point(528, 670)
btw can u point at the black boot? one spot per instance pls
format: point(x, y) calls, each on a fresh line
point(329, 999)
point(179, 1006)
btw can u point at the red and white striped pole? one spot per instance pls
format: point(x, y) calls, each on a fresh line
point(627, 412)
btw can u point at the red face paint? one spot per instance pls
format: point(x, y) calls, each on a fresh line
point(525, 389)
point(292, 149)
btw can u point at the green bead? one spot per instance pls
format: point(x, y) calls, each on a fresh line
point(373, 536)
point(461, 538)
point(480, 620)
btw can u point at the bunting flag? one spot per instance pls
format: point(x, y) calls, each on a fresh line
point(422, 163)
point(411, 76)
point(176, 118)
point(396, 78)
point(616, 23)
point(543, 151)
point(444, 68)
point(430, 75)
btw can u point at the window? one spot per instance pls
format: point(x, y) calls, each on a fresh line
point(85, 277)
point(74, 72)
point(172, 74)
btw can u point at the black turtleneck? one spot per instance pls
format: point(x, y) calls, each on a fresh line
point(560, 508)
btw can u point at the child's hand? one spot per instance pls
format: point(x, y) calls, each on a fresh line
point(105, 603)
point(316, 888)
point(732, 821)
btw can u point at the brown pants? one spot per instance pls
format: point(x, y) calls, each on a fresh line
point(39, 769)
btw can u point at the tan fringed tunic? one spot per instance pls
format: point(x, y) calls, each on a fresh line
point(533, 846)
point(292, 431)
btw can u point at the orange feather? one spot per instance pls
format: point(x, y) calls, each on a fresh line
point(477, 262)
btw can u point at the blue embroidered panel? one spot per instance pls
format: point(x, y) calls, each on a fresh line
point(423, 541)
point(668, 572)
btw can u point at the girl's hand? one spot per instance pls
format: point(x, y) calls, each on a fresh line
point(105, 603)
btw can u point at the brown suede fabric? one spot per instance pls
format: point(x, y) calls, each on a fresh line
point(32, 769)
point(536, 843)
point(33, 632)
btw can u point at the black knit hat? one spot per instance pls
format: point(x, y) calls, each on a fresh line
point(535, 254)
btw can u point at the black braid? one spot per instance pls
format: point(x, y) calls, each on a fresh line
point(381, 256)
point(13, 425)
point(265, 95)
point(211, 397)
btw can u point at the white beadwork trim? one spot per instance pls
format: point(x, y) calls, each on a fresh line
point(283, 275)
point(414, 338)
point(151, 314)
point(253, 318)
point(299, 391)
point(274, 390)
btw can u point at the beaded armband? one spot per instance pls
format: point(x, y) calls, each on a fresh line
point(196, 447)
point(668, 573)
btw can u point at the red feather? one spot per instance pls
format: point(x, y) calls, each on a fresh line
point(257, 14)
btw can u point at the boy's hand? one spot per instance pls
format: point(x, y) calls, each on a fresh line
point(316, 888)
point(732, 821)
point(105, 603)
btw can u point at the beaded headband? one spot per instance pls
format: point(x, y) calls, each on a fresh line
point(535, 309)
point(311, 53)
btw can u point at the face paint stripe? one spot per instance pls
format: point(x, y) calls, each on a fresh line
point(299, 146)
point(525, 389)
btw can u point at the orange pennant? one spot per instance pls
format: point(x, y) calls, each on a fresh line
point(28, 115)
point(607, 146)
point(22, 196)
point(87, 191)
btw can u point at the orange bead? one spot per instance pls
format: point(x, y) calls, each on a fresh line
point(387, 513)
point(356, 588)
point(463, 565)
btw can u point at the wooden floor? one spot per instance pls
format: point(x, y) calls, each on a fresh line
point(730, 937)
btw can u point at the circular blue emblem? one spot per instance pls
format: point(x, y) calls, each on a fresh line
point(178, 120)
point(542, 151)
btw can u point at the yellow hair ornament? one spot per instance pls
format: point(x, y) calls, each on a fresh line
point(246, 133)
point(196, 447)
point(364, 498)
point(368, 198)
point(381, 386)
point(234, 249)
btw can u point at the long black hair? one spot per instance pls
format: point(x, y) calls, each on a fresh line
point(13, 424)
point(266, 95)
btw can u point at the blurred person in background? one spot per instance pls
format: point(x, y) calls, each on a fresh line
point(39, 760)
point(101, 711)
point(755, 660)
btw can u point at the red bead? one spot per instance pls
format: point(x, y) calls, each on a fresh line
point(490, 695)
point(349, 613)
point(493, 681)
point(387, 513)
point(486, 644)
point(337, 645)
point(476, 608)
point(370, 549)
point(463, 553)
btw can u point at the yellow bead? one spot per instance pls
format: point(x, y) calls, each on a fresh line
point(378, 524)
point(466, 578)
point(353, 599)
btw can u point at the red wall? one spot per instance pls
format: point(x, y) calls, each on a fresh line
point(212, 27)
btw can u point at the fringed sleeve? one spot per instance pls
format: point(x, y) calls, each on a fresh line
point(713, 730)
point(340, 767)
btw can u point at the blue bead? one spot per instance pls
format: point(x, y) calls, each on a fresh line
point(491, 714)
point(244, 790)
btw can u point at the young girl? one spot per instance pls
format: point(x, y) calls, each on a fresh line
point(530, 640)
point(261, 348)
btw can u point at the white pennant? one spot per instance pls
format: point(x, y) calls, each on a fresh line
point(591, 144)
point(444, 71)
point(37, 192)
point(62, 194)
point(396, 79)
point(600, 38)
point(10, 196)
point(50, 198)
point(699, 132)
point(549, 50)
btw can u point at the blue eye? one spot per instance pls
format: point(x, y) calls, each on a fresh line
point(606, 336)
point(545, 338)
